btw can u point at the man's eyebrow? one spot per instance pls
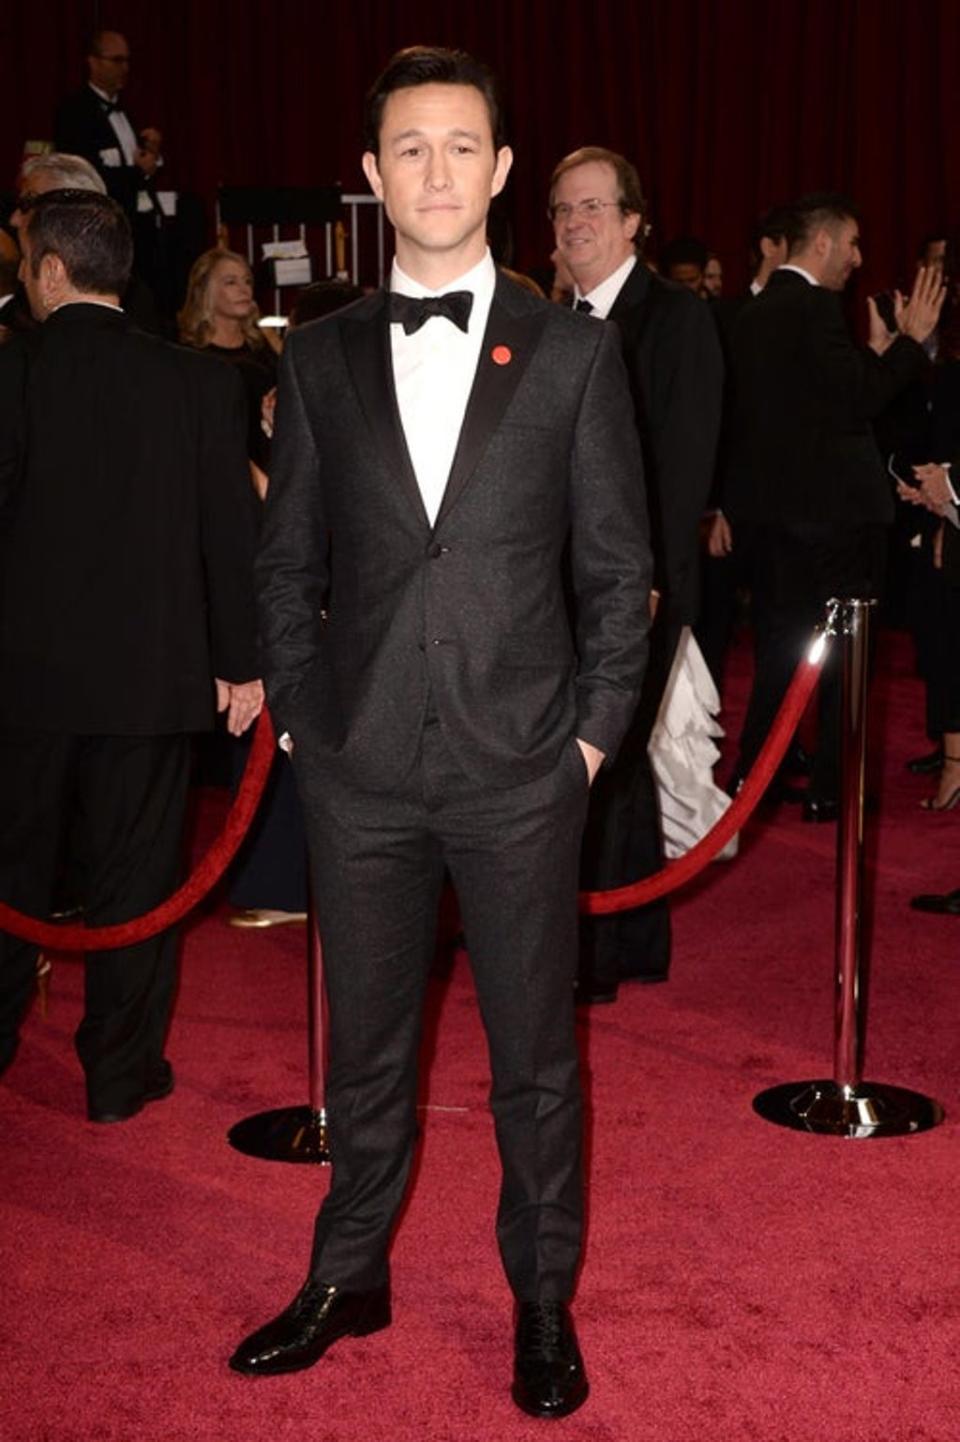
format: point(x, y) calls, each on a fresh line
point(457, 133)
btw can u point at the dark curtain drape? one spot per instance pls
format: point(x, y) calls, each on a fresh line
point(725, 105)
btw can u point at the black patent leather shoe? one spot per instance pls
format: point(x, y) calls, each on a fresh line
point(548, 1378)
point(160, 1085)
point(318, 1316)
point(927, 765)
point(946, 905)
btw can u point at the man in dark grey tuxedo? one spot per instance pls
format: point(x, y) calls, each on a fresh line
point(437, 448)
point(674, 364)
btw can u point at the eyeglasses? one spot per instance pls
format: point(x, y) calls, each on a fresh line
point(584, 209)
point(116, 59)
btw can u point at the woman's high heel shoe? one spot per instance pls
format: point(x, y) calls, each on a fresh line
point(930, 803)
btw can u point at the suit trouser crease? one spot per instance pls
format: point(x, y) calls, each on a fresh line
point(377, 865)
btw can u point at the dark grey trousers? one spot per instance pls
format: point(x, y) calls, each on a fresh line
point(377, 866)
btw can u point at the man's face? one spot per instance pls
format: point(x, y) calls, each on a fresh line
point(935, 255)
point(713, 277)
point(842, 256)
point(110, 66)
point(594, 241)
point(436, 173)
point(688, 274)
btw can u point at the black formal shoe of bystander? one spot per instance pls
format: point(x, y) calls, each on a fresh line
point(946, 905)
point(160, 1085)
point(318, 1316)
point(928, 764)
point(549, 1378)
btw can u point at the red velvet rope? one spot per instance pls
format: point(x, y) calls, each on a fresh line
point(212, 866)
point(204, 876)
point(676, 873)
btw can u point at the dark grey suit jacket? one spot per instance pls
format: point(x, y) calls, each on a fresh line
point(675, 366)
point(365, 609)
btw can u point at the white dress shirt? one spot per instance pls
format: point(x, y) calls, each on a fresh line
point(603, 296)
point(127, 145)
point(799, 270)
point(433, 372)
point(120, 126)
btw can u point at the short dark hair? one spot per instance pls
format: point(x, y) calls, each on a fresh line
point(684, 250)
point(90, 234)
point(814, 212)
point(629, 190)
point(933, 237)
point(429, 65)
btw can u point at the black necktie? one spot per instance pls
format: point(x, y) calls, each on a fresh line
point(584, 305)
point(412, 313)
point(109, 106)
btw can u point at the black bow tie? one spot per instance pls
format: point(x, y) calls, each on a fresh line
point(586, 306)
point(109, 106)
point(412, 313)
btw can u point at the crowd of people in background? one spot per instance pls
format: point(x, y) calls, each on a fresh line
point(454, 691)
point(781, 457)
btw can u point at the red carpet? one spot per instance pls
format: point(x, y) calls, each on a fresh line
point(742, 1283)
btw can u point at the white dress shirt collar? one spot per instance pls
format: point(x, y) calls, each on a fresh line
point(103, 304)
point(481, 279)
point(102, 95)
point(603, 296)
point(799, 270)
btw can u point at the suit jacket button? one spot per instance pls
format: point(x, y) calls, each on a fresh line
point(435, 550)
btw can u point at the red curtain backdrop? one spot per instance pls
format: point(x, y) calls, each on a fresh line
point(725, 105)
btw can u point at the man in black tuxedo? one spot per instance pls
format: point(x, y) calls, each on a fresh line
point(437, 447)
point(726, 560)
point(673, 360)
point(805, 471)
point(93, 123)
point(126, 547)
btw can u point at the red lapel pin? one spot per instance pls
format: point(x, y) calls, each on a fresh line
point(501, 355)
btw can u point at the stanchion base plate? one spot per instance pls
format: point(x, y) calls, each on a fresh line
point(290, 1134)
point(867, 1110)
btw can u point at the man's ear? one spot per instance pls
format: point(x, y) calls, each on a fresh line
point(632, 223)
point(823, 242)
point(372, 171)
point(53, 272)
point(501, 170)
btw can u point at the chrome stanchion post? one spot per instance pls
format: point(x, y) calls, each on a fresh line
point(296, 1134)
point(847, 1106)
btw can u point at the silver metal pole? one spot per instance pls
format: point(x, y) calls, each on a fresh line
point(847, 1106)
point(295, 1134)
point(855, 647)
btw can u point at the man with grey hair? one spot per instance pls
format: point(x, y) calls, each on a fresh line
point(59, 171)
point(669, 343)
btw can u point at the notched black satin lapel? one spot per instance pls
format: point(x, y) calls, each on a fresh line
point(367, 345)
point(514, 338)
